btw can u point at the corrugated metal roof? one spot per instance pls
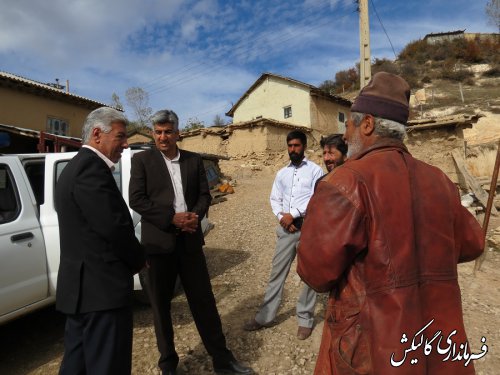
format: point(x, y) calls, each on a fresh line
point(30, 132)
point(43, 87)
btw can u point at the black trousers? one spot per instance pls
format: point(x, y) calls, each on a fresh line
point(98, 343)
point(190, 265)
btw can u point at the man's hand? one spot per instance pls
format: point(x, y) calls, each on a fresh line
point(191, 223)
point(186, 221)
point(286, 220)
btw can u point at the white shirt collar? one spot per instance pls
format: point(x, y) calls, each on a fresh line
point(303, 162)
point(176, 157)
point(108, 162)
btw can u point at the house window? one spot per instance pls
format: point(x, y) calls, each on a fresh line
point(341, 123)
point(341, 117)
point(57, 126)
point(287, 111)
point(9, 200)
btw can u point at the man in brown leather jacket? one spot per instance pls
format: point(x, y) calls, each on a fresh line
point(383, 234)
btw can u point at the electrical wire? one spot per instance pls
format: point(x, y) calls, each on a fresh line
point(345, 6)
point(242, 48)
point(383, 28)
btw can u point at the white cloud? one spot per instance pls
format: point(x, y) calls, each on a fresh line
point(196, 56)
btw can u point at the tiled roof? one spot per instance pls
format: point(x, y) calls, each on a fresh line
point(12, 80)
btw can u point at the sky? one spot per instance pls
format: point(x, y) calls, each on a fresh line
point(199, 57)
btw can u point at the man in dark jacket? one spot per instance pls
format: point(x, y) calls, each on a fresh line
point(99, 253)
point(169, 189)
point(384, 234)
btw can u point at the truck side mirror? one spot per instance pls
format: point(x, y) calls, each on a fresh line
point(4, 139)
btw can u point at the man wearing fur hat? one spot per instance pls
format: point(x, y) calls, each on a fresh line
point(383, 235)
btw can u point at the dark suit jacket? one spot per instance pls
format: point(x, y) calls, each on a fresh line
point(99, 250)
point(151, 194)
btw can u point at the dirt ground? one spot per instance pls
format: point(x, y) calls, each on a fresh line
point(239, 251)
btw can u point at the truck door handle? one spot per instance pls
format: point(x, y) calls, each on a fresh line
point(21, 236)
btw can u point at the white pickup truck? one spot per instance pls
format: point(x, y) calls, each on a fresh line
point(29, 231)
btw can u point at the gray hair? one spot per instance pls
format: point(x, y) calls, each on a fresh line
point(383, 128)
point(165, 116)
point(101, 118)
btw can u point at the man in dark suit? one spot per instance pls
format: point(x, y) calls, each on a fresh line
point(169, 189)
point(99, 253)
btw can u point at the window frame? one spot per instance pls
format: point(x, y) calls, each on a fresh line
point(287, 111)
point(50, 126)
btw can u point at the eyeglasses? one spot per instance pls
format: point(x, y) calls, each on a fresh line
point(166, 132)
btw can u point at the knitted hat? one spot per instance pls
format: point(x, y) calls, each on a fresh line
point(385, 96)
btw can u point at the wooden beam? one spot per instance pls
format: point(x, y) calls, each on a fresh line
point(476, 188)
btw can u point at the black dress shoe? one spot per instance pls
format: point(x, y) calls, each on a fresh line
point(233, 367)
point(169, 372)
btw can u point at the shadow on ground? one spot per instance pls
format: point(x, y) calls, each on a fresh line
point(31, 341)
point(37, 339)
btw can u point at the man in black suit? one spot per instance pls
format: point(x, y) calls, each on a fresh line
point(169, 189)
point(99, 253)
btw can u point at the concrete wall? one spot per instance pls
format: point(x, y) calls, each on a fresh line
point(434, 146)
point(31, 111)
point(269, 99)
point(325, 116)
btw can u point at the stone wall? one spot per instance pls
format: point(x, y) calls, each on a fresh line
point(434, 147)
point(203, 142)
point(240, 142)
point(139, 138)
point(258, 143)
point(325, 116)
point(248, 140)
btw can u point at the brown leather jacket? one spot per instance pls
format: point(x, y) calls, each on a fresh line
point(384, 234)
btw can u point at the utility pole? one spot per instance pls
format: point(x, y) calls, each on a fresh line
point(365, 72)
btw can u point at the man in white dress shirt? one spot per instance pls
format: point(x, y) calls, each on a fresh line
point(292, 189)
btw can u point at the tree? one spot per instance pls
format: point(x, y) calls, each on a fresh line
point(345, 80)
point(384, 65)
point(193, 123)
point(219, 120)
point(493, 13)
point(115, 101)
point(138, 100)
point(328, 86)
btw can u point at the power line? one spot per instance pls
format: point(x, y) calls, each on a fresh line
point(344, 5)
point(383, 28)
point(182, 76)
point(182, 80)
point(241, 44)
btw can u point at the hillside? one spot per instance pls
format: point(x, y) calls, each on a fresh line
point(450, 77)
point(480, 96)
